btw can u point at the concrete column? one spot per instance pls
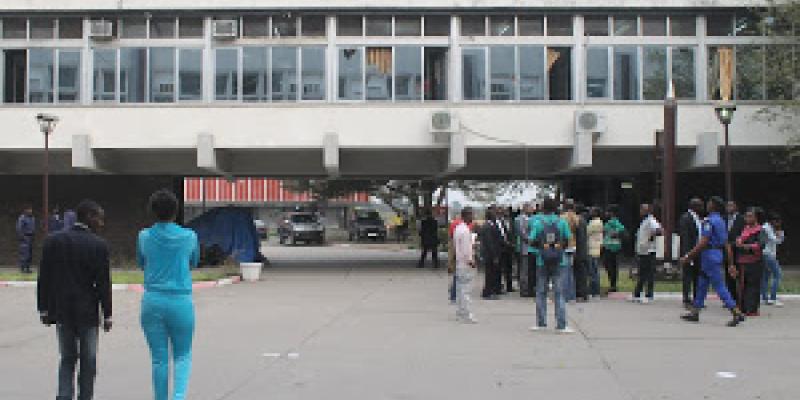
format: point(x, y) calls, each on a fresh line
point(454, 68)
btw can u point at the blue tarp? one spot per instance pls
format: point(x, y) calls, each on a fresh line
point(232, 230)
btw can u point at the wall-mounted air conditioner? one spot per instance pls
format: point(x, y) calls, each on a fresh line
point(442, 125)
point(101, 30)
point(225, 29)
point(590, 122)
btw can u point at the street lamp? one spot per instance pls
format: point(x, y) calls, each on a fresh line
point(47, 123)
point(724, 112)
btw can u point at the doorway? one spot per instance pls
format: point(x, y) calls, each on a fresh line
point(15, 71)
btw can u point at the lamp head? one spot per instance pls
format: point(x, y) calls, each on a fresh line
point(725, 113)
point(46, 122)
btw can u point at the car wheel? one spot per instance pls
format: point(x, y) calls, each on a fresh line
point(281, 240)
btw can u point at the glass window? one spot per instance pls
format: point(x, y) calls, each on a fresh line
point(132, 75)
point(408, 25)
point(379, 25)
point(313, 25)
point(474, 74)
point(42, 28)
point(473, 25)
point(683, 72)
point(502, 66)
point(226, 74)
point(350, 25)
point(747, 23)
point(683, 25)
point(313, 73)
point(654, 25)
point(190, 27)
point(162, 28)
point(714, 88)
point(255, 75)
point(437, 25)
point(559, 25)
point(408, 73)
point(104, 74)
point(597, 72)
point(69, 76)
point(749, 72)
point(70, 28)
point(40, 76)
point(595, 25)
point(350, 79)
point(559, 61)
point(530, 25)
point(501, 25)
point(15, 28)
point(626, 73)
point(190, 77)
point(379, 73)
point(654, 73)
point(134, 28)
point(284, 73)
point(531, 73)
point(626, 25)
point(255, 26)
point(780, 72)
point(435, 73)
point(719, 24)
point(284, 25)
point(162, 75)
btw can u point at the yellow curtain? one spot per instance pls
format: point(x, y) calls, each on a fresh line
point(725, 72)
point(381, 58)
point(552, 57)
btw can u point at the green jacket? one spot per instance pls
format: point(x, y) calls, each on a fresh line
point(613, 228)
point(538, 227)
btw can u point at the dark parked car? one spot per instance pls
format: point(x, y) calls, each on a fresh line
point(261, 228)
point(301, 227)
point(367, 224)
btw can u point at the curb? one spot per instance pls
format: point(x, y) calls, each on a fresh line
point(676, 295)
point(138, 288)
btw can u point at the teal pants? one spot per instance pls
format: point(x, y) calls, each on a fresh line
point(168, 323)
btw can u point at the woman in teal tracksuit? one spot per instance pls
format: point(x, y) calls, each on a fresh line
point(167, 252)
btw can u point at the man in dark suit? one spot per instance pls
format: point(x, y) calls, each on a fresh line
point(735, 221)
point(506, 251)
point(490, 254)
point(74, 283)
point(689, 228)
point(429, 240)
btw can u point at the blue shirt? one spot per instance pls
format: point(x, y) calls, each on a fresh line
point(716, 230)
point(167, 252)
point(26, 226)
point(538, 227)
point(532, 220)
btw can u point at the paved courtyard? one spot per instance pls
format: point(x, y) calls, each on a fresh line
point(325, 324)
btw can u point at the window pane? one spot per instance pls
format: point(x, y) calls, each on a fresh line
point(530, 25)
point(313, 25)
point(162, 28)
point(683, 25)
point(437, 25)
point(502, 65)
point(350, 74)
point(595, 25)
point(134, 28)
point(714, 73)
point(379, 25)
point(162, 75)
point(559, 25)
point(104, 77)
point(474, 64)
point(70, 28)
point(190, 27)
point(654, 25)
point(349, 25)
point(69, 76)
point(132, 75)
point(655, 73)
point(749, 73)
point(531, 73)
point(15, 28)
point(284, 25)
point(473, 25)
point(435, 73)
point(379, 73)
point(255, 26)
point(626, 25)
point(626, 73)
point(408, 73)
point(226, 74)
point(313, 75)
point(559, 60)
point(284, 73)
point(719, 25)
point(501, 25)
point(255, 76)
point(40, 76)
point(747, 23)
point(683, 73)
point(42, 28)
point(408, 25)
point(597, 72)
point(780, 81)
point(190, 78)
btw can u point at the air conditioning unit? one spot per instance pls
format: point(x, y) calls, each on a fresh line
point(442, 125)
point(225, 29)
point(101, 29)
point(590, 122)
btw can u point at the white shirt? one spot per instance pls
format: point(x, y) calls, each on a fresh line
point(644, 236)
point(698, 223)
point(462, 238)
point(773, 240)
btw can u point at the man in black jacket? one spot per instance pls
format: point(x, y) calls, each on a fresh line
point(689, 228)
point(74, 282)
point(735, 222)
point(490, 254)
point(429, 240)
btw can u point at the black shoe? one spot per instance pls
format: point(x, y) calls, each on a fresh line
point(420, 266)
point(510, 290)
point(737, 319)
point(691, 317)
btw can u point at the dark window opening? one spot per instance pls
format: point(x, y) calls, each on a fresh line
point(15, 76)
point(435, 73)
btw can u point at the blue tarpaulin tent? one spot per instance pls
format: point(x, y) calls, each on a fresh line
point(231, 230)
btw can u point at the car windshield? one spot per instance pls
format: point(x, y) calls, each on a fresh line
point(371, 216)
point(303, 218)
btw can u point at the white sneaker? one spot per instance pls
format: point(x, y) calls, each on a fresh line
point(767, 302)
point(469, 319)
point(566, 331)
point(777, 303)
point(634, 299)
point(537, 328)
point(647, 300)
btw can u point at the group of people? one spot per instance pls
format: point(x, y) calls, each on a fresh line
point(26, 232)
point(74, 294)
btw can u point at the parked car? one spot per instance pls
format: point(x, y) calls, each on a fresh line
point(261, 228)
point(367, 224)
point(301, 227)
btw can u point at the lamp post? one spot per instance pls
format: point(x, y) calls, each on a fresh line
point(47, 123)
point(724, 112)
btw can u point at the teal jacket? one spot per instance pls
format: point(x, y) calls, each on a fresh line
point(538, 227)
point(613, 226)
point(167, 252)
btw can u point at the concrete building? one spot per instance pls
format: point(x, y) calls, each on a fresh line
point(435, 89)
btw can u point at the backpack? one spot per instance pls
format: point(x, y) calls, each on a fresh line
point(548, 238)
